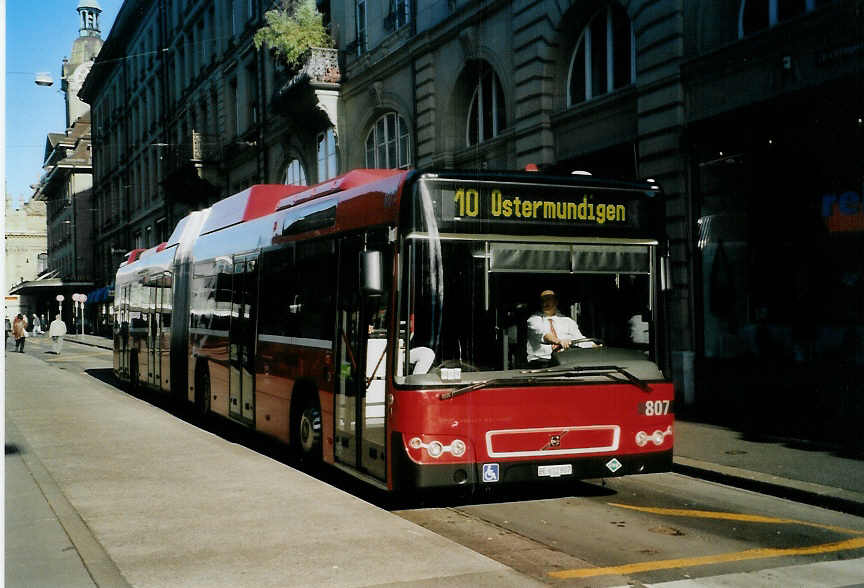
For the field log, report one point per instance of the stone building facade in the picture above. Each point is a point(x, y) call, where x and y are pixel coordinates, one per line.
point(26, 242)
point(66, 188)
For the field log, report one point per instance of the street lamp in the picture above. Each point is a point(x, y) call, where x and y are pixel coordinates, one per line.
point(60, 299)
point(79, 300)
point(43, 78)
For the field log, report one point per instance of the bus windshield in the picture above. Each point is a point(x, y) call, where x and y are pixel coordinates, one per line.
point(474, 303)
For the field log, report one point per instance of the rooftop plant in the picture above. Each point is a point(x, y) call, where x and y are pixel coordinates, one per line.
point(292, 28)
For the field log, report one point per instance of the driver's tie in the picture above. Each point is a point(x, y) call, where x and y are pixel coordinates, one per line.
point(555, 346)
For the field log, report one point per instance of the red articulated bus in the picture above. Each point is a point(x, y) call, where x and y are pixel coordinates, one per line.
point(389, 322)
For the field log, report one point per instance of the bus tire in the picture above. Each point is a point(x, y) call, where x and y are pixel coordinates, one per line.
point(307, 430)
point(202, 389)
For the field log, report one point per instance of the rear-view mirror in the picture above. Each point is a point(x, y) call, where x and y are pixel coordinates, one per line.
point(371, 272)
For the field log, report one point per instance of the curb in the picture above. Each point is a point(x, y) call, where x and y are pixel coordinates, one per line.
point(837, 499)
point(89, 344)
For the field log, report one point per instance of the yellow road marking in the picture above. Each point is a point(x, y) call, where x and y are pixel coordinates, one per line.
point(731, 516)
point(649, 566)
point(760, 553)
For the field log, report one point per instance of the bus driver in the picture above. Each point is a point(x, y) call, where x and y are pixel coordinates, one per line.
point(550, 331)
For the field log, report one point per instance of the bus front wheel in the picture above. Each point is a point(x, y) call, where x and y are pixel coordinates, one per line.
point(307, 429)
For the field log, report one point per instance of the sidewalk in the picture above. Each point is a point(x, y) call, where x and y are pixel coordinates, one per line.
point(91, 340)
point(802, 471)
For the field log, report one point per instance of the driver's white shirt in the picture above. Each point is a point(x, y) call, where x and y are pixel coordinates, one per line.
point(540, 324)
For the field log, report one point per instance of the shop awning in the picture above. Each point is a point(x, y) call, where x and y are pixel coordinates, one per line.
point(100, 295)
point(49, 286)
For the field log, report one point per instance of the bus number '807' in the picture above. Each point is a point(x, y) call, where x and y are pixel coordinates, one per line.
point(654, 407)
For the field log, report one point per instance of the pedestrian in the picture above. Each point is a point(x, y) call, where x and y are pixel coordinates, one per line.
point(37, 325)
point(56, 330)
point(19, 331)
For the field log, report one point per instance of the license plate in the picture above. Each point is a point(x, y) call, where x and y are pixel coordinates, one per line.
point(554, 471)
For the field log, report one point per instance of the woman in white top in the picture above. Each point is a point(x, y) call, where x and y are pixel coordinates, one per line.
point(56, 331)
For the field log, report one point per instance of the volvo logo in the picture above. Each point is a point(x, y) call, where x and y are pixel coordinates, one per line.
point(555, 441)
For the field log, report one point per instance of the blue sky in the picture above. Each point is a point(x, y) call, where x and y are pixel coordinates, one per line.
point(38, 36)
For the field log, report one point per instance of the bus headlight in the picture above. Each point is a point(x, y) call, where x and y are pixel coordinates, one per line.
point(435, 449)
point(658, 437)
point(457, 447)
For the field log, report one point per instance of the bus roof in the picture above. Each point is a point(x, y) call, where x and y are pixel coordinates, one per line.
point(264, 199)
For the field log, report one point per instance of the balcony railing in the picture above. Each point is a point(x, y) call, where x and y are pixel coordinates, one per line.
point(196, 148)
point(322, 66)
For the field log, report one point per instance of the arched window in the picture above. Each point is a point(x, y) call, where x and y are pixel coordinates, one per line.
point(757, 15)
point(294, 174)
point(328, 160)
point(486, 115)
point(604, 59)
point(388, 144)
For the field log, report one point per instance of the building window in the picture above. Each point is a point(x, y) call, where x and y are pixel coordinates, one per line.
point(294, 174)
point(388, 144)
point(235, 18)
point(486, 117)
point(757, 15)
point(161, 233)
point(202, 42)
point(252, 94)
point(361, 26)
point(401, 14)
point(605, 56)
point(328, 164)
point(234, 107)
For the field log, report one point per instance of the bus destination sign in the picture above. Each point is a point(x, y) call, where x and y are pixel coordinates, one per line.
point(471, 203)
point(455, 203)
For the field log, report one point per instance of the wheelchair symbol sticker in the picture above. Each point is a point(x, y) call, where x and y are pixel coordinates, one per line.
point(490, 472)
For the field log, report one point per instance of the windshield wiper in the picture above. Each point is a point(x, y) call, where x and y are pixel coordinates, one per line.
point(544, 373)
point(593, 370)
point(472, 387)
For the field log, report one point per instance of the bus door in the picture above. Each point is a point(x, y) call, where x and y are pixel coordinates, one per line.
point(241, 338)
point(154, 360)
point(361, 342)
point(165, 306)
point(121, 330)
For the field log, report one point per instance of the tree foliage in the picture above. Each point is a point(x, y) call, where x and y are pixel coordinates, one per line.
point(291, 30)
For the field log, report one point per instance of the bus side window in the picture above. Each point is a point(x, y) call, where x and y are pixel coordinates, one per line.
point(277, 293)
point(315, 276)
